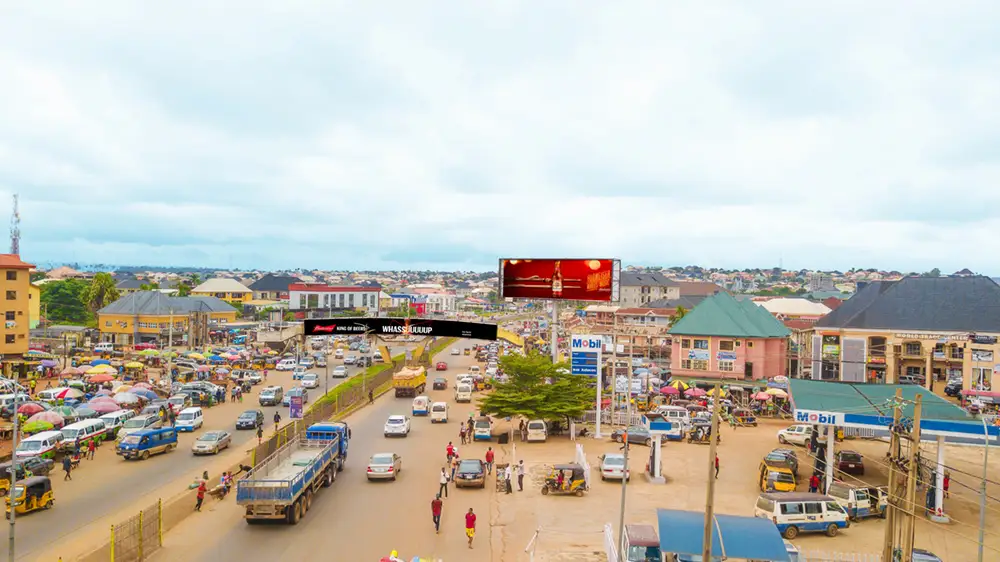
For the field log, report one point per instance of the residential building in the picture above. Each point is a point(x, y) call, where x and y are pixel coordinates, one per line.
point(644, 332)
point(316, 300)
point(795, 308)
point(600, 315)
point(229, 290)
point(129, 285)
point(15, 275)
point(272, 287)
point(637, 289)
point(820, 282)
point(146, 316)
point(727, 338)
point(916, 329)
point(698, 289)
point(34, 306)
point(686, 303)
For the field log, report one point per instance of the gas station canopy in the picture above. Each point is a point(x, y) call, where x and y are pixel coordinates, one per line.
point(733, 536)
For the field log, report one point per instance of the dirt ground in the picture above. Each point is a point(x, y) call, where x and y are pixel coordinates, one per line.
point(570, 529)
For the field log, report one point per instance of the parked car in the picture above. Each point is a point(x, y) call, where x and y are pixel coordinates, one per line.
point(636, 434)
point(256, 377)
point(613, 467)
point(36, 465)
point(470, 473)
point(250, 419)
point(339, 372)
point(211, 442)
point(796, 435)
point(384, 466)
point(440, 383)
point(953, 388)
point(850, 462)
point(397, 425)
point(178, 402)
point(441, 366)
point(786, 455)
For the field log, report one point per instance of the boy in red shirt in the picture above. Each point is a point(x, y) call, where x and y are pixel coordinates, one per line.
point(470, 526)
point(436, 505)
point(813, 483)
point(489, 460)
point(201, 495)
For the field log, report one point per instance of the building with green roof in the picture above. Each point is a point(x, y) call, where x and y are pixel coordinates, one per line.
point(727, 338)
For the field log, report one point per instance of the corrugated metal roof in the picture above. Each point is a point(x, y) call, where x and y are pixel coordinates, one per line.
point(722, 315)
point(157, 303)
point(221, 285)
point(629, 279)
point(753, 538)
point(871, 400)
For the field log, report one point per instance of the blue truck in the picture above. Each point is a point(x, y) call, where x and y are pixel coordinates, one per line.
point(282, 486)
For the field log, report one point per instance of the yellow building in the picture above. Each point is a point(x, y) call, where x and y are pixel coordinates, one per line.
point(229, 290)
point(34, 305)
point(17, 292)
point(917, 330)
point(146, 316)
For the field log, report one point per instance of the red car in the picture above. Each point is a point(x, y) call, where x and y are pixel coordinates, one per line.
point(442, 366)
point(144, 346)
point(850, 462)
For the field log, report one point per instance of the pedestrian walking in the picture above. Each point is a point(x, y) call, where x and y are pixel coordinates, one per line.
point(201, 495)
point(813, 484)
point(489, 460)
point(462, 435)
point(522, 429)
point(454, 466)
point(91, 449)
point(520, 475)
point(277, 420)
point(371, 397)
point(260, 434)
point(443, 488)
point(508, 473)
point(470, 526)
point(717, 467)
point(947, 483)
point(436, 505)
point(450, 451)
point(67, 467)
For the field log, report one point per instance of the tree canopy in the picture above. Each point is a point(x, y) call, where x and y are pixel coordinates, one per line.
point(538, 389)
point(101, 291)
point(65, 302)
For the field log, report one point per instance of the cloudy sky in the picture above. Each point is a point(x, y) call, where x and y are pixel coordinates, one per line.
point(447, 134)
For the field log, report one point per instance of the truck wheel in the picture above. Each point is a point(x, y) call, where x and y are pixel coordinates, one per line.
point(145, 455)
point(791, 532)
point(326, 478)
point(309, 502)
point(293, 514)
point(831, 530)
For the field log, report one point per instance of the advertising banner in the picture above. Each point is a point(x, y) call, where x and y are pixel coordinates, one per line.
point(585, 354)
point(560, 279)
point(726, 356)
point(399, 327)
point(698, 355)
point(295, 407)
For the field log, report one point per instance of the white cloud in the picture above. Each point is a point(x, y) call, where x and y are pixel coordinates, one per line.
point(446, 134)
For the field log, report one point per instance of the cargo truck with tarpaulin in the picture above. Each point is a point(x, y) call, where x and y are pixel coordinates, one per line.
point(409, 381)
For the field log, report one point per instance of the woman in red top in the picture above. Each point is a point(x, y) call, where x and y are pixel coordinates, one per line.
point(470, 526)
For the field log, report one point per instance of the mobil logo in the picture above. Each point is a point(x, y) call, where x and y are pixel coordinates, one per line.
point(814, 417)
point(588, 343)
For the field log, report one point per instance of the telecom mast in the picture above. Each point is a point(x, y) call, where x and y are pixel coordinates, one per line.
point(15, 230)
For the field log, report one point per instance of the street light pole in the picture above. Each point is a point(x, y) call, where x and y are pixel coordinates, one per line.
point(982, 492)
point(713, 439)
point(13, 472)
point(625, 474)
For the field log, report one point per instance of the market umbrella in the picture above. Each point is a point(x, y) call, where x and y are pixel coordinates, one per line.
point(215, 358)
point(96, 362)
point(696, 392)
point(265, 349)
point(101, 370)
point(47, 363)
point(203, 368)
point(71, 372)
point(123, 388)
point(30, 409)
point(722, 392)
point(145, 385)
point(70, 393)
point(777, 392)
point(49, 417)
point(88, 411)
point(127, 398)
point(38, 354)
point(143, 393)
point(762, 396)
point(149, 352)
point(679, 385)
point(134, 365)
point(102, 393)
point(64, 411)
point(272, 352)
point(101, 378)
point(222, 371)
point(669, 390)
point(33, 427)
point(196, 356)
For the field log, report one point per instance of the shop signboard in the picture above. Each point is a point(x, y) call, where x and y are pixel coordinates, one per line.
point(831, 349)
point(876, 360)
point(585, 354)
point(295, 407)
point(726, 356)
point(984, 340)
point(698, 355)
point(560, 279)
point(399, 327)
point(982, 356)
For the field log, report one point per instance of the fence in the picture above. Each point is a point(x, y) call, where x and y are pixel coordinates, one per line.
point(615, 418)
point(859, 432)
point(610, 544)
point(138, 536)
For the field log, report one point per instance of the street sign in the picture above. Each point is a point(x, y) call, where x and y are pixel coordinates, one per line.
point(585, 354)
point(295, 407)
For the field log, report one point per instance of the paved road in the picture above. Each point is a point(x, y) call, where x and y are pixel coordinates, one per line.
point(356, 519)
point(108, 484)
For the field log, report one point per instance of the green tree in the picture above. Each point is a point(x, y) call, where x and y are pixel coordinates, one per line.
point(65, 302)
point(681, 312)
point(538, 389)
point(289, 316)
point(101, 291)
point(195, 279)
point(183, 289)
point(933, 273)
point(36, 276)
point(149, 286)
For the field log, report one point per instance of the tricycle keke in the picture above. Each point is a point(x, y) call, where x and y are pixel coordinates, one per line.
point(31, 495)
point(701, 432)
point(565, 479)
point(743, 417)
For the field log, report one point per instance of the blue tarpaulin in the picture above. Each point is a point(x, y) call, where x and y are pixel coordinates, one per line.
point(681, 532)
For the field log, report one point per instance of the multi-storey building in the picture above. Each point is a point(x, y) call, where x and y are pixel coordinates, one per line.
point(638, 289)
point(315, 300)
point(16, 279)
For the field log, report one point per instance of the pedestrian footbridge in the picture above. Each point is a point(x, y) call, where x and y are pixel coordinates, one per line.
point(509, 336)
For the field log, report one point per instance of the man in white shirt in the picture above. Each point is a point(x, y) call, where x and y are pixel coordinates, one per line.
point(443, 489)
point(507, 474)
point(520, 475)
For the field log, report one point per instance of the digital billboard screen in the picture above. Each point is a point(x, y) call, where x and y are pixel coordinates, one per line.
point(560, 279)
point(399, 327)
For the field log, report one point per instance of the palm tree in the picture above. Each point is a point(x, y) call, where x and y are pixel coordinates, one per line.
point(101, 291)
point(681, 312)
point(195, 279)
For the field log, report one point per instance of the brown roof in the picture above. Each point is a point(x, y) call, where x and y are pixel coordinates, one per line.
point(13, 261)
point(798, 324)
point(644, 311)
point(699, 288)
point(832, 303)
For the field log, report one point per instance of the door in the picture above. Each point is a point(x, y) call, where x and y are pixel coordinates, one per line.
point(862, 503)
point(792, 514)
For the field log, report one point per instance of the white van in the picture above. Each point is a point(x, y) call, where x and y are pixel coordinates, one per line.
point(439, 412)
point(190, 419)
point(8, 398)
point(537, 431)
point(44, 444)
point(482, 430)
point(421, 405)
point(860, 501)
point(115, 420)
point(286, 365)
point(802, 512)
point(463, 393)
point(680, 421)
point(475, 370)
point(51, 394)
point(82, 433)
point(104, 347)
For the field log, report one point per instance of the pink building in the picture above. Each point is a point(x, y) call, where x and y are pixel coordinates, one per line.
point(730, 339)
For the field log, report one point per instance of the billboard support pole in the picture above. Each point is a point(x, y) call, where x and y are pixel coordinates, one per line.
point(555, 332)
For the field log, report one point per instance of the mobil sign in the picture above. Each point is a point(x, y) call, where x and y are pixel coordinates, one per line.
point(586, 343)
point(818, 418)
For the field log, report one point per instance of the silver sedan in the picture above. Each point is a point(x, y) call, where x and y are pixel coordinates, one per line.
point(384, 466)
point(211, 442)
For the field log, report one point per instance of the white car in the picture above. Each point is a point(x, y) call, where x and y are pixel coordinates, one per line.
point(613, 466)
point(455, 351)
point(339, 354)
point(350, 359)
point(256, 377)
point(796, 435)
point(398, 426)
point(339, 372)
point(310, 380)
point(307, 362)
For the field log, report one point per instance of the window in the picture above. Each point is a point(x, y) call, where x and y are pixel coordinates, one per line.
point(701, 344)
point(749, 344)
point(11, 315)
point(12, 295)
point(302, 301)
point(876, 346)
point(957, 352)
point(9, 338)
point(791, 509)
point(912, 349)
point(364, 299)
point(915, 371)
point(220, 295)
point(981, 377)
point(685, 363)
point(727, 366)
point(685, 344)
point(12, 276)
point(107, 323)
point(699, 365)
point(814, 508)
point(726, 345)
point(350, 300)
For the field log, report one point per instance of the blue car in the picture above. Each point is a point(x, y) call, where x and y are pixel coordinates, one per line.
point(146, 442)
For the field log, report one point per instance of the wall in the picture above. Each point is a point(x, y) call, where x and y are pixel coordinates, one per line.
point(151, 324)
point(632, 296)
point(17, 326)
point(295, 300)
point(34, 306)
point(769, 357)
point(235, 298)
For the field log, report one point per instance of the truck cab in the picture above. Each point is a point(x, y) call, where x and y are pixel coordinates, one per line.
point(326, 431)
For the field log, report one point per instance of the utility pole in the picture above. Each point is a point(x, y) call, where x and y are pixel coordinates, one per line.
point(892, 513)
point(12, 495)
point(555, 331)
point(170, 347)
point(45, 315)
point(982, 492)
point(911, 484)
point(625, 474)
point(713, 440)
